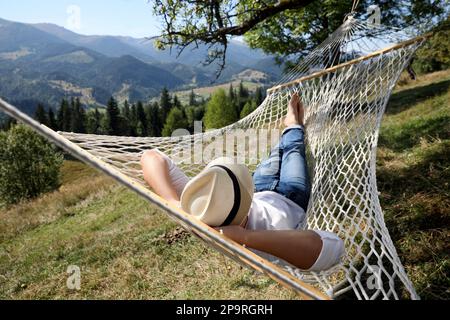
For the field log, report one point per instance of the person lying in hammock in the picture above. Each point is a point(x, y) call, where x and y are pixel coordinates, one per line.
point(264, 214)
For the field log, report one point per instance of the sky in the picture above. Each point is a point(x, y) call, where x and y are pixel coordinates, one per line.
point(91, 17)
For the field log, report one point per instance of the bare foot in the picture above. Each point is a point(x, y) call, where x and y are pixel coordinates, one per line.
point(292, 113)
point(301, 112)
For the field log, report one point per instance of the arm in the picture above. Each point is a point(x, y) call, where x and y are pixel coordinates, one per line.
point(156, 174)
point(301, 248)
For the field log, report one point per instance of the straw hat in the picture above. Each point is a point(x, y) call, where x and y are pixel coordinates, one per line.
point(221, 194)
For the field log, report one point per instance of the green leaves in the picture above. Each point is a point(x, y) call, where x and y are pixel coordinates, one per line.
point(29, 165)
point(175, 120)
point(220, 111)
point(249, 107)
point(287, 29)
point(435, 54)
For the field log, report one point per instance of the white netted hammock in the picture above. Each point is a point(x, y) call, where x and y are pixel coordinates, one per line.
point(345, 84)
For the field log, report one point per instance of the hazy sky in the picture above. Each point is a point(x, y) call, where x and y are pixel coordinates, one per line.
point(100, 17)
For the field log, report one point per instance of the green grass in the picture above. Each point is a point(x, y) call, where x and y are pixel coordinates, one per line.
point(413, 178)
point(128, 249)
point(124, 247)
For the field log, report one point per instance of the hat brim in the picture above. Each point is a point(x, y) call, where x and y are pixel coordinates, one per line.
point(232, 182)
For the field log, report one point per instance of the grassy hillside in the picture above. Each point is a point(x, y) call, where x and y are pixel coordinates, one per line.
point(413, 177)
point(128, 249)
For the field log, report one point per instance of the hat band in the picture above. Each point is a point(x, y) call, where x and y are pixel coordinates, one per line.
point(237, 196)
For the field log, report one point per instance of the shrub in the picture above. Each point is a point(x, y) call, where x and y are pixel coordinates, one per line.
point(435, 54)
point(220, 111)
point(249, 107)
point(29, 165)
point(176, 119)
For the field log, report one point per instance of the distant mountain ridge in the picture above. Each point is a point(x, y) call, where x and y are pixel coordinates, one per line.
point(116, 46)
point(45, 62)
point(35, 65)
point(108, 45)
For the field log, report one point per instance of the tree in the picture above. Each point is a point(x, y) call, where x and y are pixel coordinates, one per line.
point(78, 116)
point(165, 104)
point(249, 107)
point(176, 119)
point(124, 122)
point(220, 111)
point(64, 116)
point(29, 165)
point(279, 27)
point(242, 97)
point(8, 123)
point(259, 96)
point(243, 92)
point(73, 115)
point(211, 22)
point(231, 93)
point(133, 120)
point(41, 115)
point(141, 120)
point(125, 118)
point(126, 110)
point(81, 127)
point(52, 122)
point(112, 117)
point(94, 122)
point(194, 113)
point(435, 53)
point(154, 120)
point(192, 100)
point(176, 103)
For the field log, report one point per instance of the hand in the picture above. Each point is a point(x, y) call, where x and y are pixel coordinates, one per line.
point(236, 233)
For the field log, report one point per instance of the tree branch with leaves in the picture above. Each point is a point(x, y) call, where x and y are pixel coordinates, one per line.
point(287, 29)
point(191, 22)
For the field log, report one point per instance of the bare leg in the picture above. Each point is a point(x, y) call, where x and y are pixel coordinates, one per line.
point(268, 171)
point(156, 174)
point(294, 180)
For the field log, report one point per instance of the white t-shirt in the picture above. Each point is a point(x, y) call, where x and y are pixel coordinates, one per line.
point(273, 211)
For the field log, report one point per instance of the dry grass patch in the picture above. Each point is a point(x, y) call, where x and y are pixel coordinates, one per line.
point(81, 185)
point(119, 242)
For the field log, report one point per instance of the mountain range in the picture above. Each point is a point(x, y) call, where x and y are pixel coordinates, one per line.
point(45, 62)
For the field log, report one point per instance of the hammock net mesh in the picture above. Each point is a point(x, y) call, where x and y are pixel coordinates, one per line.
point(345, 84)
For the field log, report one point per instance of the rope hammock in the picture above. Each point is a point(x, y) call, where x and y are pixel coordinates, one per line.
point(345, 84)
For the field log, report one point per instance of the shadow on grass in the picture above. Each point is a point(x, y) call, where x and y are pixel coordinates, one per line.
point(416, 205)
point(416, 202)
point(246, 282)
point(400, 138)
point(406, 99)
